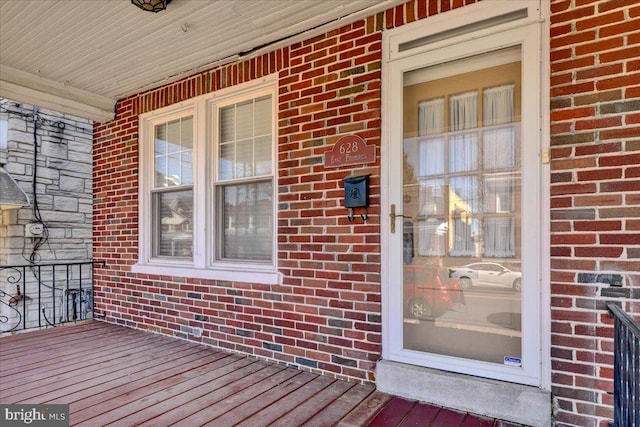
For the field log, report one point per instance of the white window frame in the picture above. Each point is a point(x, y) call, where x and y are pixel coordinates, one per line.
point(528, 33)
point(204, 264)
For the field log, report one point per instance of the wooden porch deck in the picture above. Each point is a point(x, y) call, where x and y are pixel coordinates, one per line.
point(111, 375)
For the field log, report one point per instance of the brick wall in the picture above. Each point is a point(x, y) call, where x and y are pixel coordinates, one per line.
point(595, 196)
point(325, 316)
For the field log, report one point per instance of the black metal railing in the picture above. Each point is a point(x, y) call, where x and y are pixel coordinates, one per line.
point(41, 295)
point(626, 368)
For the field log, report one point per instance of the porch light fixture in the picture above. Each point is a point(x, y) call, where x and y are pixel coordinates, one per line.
point(154, 6)
point(11, 195)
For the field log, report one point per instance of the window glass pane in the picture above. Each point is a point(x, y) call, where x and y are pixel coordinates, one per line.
point(498, 193)
point(498, 148)
point(174, 168)
point(263, 154)
point(227, 160)
point(186, 134)
point(161, 139)
point(162, 176)
point(461, 193)
point(432, 157)
point(432, 197)
point(173, 235)
point(173, 148)
point(227, 124)
point(187, 167)
point(247, 150)
point(244, 120)
point(463, 111)
point(431, 116)
point(497, 105)
point(464, 194)
point(246, 222)
point(499, 237)
point(463, 152)
point(173, 136)
point(263, 116)
point(244, 159)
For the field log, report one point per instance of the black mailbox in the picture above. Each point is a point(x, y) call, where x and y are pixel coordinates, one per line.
point(356, 194)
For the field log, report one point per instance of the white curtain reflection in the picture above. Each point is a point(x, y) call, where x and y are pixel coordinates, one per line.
point(499, 153)
point(497, 105)
point(463, 204)
point(498, 108)
point(432, 232)
point(463, 151)
point(498, 193)
point(432, 157)
point(431, 116)
point(463, 111)
point(467, 185)
point(499, 237)
point(498, 149)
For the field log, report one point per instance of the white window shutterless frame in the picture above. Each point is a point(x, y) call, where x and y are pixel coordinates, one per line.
point(473, 34)
point(206, 230)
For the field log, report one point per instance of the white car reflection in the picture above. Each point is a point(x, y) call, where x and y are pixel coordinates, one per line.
point(487, 274)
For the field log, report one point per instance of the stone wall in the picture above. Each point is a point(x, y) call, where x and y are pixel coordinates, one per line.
point(62, 202)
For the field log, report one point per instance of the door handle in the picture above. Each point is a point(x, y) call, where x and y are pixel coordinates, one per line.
point(393, 217)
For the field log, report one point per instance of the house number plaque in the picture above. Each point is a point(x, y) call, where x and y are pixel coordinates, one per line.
point(349, 150)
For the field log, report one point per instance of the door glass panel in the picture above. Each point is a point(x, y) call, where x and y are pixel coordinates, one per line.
point(461, 194)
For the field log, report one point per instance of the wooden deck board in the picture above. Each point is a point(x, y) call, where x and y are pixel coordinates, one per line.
point(312, 406)
point(334, 411)
point(79, 368)
point(210, 395)
point(112, 375)
point(251, 386)
point(161, 383)
point(168, 390)
point(366, 410)
point(78, 391)
point(41, 352)
point(264, 400)
point(111, 392)
point(275, 411)
point(24, 339)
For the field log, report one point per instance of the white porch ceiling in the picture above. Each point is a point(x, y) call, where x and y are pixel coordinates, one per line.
point(80, 56)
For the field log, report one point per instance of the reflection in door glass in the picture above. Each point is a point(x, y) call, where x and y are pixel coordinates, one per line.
point(461, 190)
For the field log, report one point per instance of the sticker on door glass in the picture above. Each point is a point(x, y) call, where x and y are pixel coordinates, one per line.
point(512, 361)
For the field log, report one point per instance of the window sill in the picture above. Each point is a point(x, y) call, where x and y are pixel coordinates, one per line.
point(265, 275)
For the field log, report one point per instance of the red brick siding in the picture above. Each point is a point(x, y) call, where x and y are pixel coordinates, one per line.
point(595, 188)
point(326, 314)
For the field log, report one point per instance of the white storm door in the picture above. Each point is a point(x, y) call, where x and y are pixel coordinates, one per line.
point(463, 188)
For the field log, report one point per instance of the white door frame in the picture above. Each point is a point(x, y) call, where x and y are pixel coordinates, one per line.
point(526, 32)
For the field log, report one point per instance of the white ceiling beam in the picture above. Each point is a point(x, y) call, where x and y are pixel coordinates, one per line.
point(31, 89)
